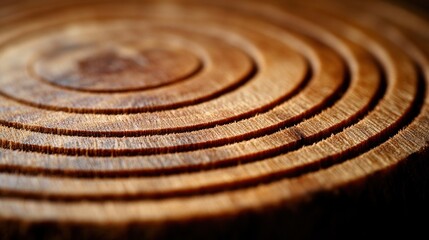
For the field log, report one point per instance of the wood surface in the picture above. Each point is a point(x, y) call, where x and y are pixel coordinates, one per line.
point(211, 119)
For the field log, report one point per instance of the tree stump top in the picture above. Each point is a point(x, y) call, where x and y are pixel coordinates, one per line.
point(157, 115)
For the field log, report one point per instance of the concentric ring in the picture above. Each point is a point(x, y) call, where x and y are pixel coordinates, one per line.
point(241, 107)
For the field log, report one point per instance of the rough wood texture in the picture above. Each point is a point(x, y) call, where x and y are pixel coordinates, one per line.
point(235, 119)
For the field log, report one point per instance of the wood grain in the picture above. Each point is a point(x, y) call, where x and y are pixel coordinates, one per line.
point(214, 119)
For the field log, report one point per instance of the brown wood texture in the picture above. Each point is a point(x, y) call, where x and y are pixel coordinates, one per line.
point(214, 119)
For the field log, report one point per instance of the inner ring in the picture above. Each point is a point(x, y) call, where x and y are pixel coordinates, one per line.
point(114, 67)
